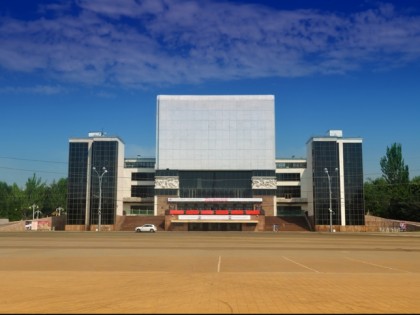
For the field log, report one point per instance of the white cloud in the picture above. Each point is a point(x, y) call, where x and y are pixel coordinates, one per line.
point(164, 42)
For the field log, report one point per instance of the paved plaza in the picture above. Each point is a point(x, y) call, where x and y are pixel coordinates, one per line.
point(209, 272)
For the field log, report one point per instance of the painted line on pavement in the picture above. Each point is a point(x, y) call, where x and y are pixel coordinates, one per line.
point(299, 264)
point(375, 265)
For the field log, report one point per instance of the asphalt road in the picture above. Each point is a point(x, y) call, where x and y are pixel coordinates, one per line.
point(58, 272)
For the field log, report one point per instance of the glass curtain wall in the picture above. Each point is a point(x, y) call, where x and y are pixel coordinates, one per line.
point(353, 183)
point(77, 183)
point(215, 184)
point(104, 154)
point(325, 155)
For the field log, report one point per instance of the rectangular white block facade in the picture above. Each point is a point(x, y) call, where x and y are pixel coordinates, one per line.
point(215, 132)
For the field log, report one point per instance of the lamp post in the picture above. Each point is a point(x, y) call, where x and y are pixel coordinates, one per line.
point(104, 171)
point(34, 206)
point(38, 212)
point(329, 187)
point(59, 210)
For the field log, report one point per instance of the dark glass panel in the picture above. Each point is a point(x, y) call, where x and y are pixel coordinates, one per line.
point(215, 184)
point(353, 183)
point(325, 156)
point(104, 154)
point(139, 164)
point(142, 191)
point(264, 173)
point(143, 176)
point(288, 191)
point(166, 172)
point(288, 177)
point(77, 183)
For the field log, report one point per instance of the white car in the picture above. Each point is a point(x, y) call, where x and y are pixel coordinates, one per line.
point(146, 228)
point(28, 225)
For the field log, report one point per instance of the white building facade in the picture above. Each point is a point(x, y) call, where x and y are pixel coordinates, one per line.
point(215, 153)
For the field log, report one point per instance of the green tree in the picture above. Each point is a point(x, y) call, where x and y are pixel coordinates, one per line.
point(34, 194)
point(396, 174)
point(412, 209)
point(55, 196)
point(394, 170)
point(377, 197)
point(16, 203)
point(4, 199)
point(18, 208)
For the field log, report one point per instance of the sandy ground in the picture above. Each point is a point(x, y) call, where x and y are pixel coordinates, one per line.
point(209, 272)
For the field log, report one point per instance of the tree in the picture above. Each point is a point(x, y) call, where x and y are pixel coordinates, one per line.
point(412, 210)
point(396, 174)
point(55, 196)
point(18, 207)
point(394, 171)
point(4, 199)
point(35, 193)
point(16, 203)
point(377, 197)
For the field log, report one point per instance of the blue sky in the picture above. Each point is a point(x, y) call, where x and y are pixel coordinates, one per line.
point(71, 67)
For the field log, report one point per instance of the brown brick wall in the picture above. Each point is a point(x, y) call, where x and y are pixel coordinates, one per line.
point(268, 204)
point(162, 204)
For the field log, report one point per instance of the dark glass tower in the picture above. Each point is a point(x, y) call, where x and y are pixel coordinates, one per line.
point(85, 186)
point(336, 162)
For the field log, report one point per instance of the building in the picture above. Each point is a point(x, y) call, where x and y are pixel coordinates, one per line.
point(94, 199)
point(215, 170)
point(335, 180)
point(292, 195)
point(138, 186)
point(215, 161)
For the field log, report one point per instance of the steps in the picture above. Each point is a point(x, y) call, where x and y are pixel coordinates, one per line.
point(129, 223)
point(287, 223)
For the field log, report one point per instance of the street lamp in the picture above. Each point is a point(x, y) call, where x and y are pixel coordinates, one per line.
point(104, 171)
point(38, 212)
point(34, 206)
point(329, 187)
point(59, 210)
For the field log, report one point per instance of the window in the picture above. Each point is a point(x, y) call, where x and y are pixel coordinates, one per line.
point(143, 176)
point(142, 191)
point(288, 177)
point(289, 211)
point(141, 210)
point(288, 192)
point(210, 184)
point(291, 165)
point(139, 164)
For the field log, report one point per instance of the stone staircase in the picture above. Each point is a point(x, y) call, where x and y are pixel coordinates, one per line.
point(287, 223)
point(129, 223)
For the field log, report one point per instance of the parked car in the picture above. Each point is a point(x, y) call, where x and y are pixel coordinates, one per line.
point(28, 225)
point(146, 228)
